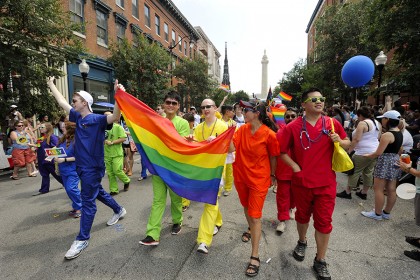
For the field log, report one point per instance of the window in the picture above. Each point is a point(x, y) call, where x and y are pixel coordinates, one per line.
point(76, 11)
point(120, 3)
point(120, 32)
point(136, 30)
point(135, 8)
point(101, 27)
point(180, 43)
point(157, 24)
point(146, 16)
point(173, 38)
point(102, 14)
point(185, 47)
point(120, 26)
point(166, 29)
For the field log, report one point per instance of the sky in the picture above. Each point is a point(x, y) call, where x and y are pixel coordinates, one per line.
point(249, 28)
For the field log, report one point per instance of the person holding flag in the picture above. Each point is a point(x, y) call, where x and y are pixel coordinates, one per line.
point(160, 189)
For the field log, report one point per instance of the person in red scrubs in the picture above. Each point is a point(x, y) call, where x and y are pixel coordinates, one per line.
point(310, 142)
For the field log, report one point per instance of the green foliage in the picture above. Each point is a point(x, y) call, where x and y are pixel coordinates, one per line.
point(237, 96)
point(36, 38)
point(142, 69)
point(194, 83)
point(395, 25)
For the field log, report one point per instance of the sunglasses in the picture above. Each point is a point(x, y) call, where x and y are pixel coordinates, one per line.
point(20, 125)
point(314, 99)
point(290, 116)
point(246, 110)
point(173, 103)
point(206, 107)
point(41, 127)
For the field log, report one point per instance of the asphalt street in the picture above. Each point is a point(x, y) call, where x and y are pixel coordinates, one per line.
point(36, 232)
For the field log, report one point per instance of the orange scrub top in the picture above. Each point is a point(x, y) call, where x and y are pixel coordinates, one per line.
point(252, 162)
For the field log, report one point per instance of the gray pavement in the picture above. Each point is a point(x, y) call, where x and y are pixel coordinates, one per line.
point(36, 232)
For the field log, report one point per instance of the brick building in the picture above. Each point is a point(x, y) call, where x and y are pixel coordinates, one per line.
point(108, 21)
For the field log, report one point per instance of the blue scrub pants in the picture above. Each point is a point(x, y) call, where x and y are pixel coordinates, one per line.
point(45, 170)
point(143, 168)
point(71, 184)
point(92, 190)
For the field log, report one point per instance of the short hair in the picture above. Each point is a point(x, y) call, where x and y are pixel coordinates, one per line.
point(173, 95)
point(307, 92)
point(226, 108)
point(189, 117)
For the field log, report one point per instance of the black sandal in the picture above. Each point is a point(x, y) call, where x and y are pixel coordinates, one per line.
point(255, 268)
point(246, 236)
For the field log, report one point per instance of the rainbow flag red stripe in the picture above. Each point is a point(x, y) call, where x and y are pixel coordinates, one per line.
point(192, 170)
point(284, 96)
point(278, 114)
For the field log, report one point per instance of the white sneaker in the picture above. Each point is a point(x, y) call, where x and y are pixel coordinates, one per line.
point(281, 227)
point(216, 229)
point(292, 213)
point(114, 219)
point(226, 193)
point(76, 249)
point(202, 248)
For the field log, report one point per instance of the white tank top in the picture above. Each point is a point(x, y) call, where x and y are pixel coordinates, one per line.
point(369, 141)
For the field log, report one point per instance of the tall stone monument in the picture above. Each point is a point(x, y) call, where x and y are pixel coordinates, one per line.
point(264, 78)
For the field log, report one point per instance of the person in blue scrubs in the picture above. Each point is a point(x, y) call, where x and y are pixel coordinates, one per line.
point(89, 156)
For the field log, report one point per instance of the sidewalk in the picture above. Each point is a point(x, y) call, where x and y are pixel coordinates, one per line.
point(36, 233)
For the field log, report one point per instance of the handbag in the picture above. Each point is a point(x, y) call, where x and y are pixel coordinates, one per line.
point(341, 161)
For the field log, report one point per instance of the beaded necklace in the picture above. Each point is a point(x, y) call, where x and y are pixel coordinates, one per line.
point(202, 131)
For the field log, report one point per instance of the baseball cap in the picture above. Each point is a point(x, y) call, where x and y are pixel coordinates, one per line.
point(394, 115)
point(13, 106)
point(192, 107)
point(87, 97)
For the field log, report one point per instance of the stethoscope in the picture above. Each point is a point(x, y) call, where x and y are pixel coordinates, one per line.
point(304, 131)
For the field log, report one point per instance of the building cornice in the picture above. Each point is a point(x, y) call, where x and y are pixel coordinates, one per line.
point(311, 21)
point(176, 13)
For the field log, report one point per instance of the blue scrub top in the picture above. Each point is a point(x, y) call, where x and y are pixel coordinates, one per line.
point(89, 139)
point(68, 166)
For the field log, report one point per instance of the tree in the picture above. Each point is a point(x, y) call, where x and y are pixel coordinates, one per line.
point(395, 25)
point(237, 96)
point(36, 39)
point(142, 69)
point(194, 82)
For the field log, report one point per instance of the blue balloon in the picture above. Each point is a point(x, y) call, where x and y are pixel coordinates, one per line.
point(358, 71)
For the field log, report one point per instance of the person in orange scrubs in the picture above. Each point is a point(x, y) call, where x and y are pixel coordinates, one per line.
point(253, 171)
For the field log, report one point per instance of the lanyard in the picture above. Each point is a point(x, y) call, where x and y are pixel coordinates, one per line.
point(304, 132)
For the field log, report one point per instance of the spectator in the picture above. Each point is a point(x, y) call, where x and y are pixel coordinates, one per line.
point(385, 174)
point(21, 153)
point(415, 241)
point(365, 140)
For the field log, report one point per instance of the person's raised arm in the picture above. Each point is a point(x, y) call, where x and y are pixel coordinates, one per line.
point(62, 102)
point(219, 109)
point(116, 114)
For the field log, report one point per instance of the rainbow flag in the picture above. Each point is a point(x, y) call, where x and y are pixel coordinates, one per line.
point(278, 114)
point(284, 96)
point(224, 88)
point(192, 170)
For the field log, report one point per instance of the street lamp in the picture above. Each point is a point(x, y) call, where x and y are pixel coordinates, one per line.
point(380, 62)
point(84, 71)
point(171, 48)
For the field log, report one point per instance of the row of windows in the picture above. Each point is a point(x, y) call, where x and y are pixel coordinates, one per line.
point(102, 11)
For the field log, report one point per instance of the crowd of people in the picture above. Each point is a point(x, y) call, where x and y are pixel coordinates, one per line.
point(294, 158)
